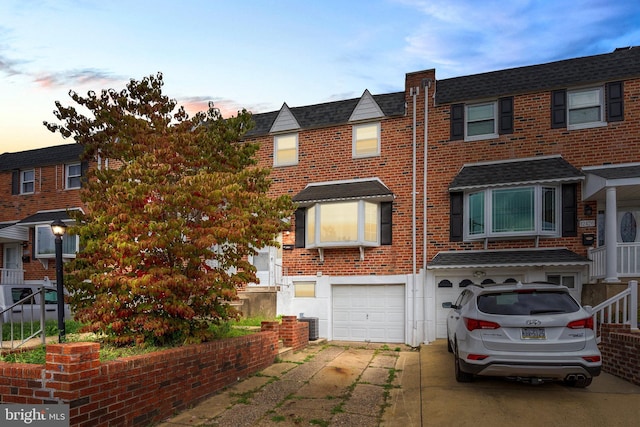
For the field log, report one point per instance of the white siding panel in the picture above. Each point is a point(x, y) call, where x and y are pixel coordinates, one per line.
point(366, 109)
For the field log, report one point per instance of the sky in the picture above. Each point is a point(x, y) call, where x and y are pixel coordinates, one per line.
point(260, 54)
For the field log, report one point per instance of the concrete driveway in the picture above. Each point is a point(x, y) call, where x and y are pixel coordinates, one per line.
point(373, 385)
point(609, 401)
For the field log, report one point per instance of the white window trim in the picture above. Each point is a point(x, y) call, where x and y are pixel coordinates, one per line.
point(355, 141)
point(589, 125)
point(23, 182)
point(275, 150)
point(67, 176)
point(495, 122)
point(360, 242)
point(537, 231)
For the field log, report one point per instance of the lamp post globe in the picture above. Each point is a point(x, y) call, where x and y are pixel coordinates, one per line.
point(58, 228)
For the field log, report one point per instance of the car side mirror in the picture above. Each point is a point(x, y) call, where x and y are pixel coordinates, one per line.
point(448, 304)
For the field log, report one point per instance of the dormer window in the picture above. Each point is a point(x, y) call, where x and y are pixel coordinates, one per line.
point(366, 140)
point(285, 150)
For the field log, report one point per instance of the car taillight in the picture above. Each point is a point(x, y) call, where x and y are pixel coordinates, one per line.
point(477, 357)
point(591, 358)
point(473, 324)
point(581, 324)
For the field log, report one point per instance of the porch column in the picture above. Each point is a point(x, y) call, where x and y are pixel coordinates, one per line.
point(611, 236)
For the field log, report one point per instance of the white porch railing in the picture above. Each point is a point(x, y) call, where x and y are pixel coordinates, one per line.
point(11, 276)
point(628, 261)
point(621, 308)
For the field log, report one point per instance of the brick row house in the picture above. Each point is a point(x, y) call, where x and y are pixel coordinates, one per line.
point(38, 187)
point(528, 173)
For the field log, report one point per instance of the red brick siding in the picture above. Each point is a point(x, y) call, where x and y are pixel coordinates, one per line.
point(620, 352)
point(293, 334)
point(139, 390)
point(618, 142)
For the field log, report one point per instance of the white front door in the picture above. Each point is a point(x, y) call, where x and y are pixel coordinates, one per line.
point(12, 262)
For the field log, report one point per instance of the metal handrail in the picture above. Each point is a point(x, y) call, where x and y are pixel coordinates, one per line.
point(17, 342)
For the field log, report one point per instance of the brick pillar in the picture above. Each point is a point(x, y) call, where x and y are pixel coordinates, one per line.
point(70, 367)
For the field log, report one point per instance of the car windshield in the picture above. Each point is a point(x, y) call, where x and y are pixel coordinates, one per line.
point(527, 302)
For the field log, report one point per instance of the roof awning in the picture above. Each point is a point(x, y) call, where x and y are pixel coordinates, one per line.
point(534, 170)
point(369, 189)
point(624, 177)
point(47, 216)
point(507, 258)
point(13, 233)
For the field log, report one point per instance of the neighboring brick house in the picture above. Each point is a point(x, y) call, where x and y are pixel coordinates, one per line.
point(37, 187)
point(534, 174)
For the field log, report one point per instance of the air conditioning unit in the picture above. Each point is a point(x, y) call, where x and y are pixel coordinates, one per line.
point(313, 327)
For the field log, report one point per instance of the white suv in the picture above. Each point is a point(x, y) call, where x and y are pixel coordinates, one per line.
point(531, 332)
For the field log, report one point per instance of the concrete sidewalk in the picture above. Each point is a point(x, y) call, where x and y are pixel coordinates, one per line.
point(331, 384)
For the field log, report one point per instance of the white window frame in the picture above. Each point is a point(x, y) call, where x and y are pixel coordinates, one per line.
point(49, 252)
point(538, 214)
point(358, 153)
point(564, 279)
point(313, 226)
point(69, 177)
point(24, 182)
point(599, 94)
point(276, 149)
point(304, 283)
point(493, 134)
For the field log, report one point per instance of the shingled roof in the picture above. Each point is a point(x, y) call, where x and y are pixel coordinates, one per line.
point(520, 171)
point(328, 114)
point(620, 64)
point(507, 258)
point(41, 157)
point(344, 190)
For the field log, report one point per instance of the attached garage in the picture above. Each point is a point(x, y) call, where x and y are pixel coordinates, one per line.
point(372, 313)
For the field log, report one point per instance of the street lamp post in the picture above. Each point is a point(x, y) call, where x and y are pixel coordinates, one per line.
point(59, 228)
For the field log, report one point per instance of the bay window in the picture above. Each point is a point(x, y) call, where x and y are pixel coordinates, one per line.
point(517, 211)
point(337, 224)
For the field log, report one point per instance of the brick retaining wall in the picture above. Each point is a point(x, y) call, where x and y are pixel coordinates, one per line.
point(620, 352)
point(144, 389)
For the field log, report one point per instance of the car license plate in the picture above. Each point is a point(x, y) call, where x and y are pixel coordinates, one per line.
point(533, 334)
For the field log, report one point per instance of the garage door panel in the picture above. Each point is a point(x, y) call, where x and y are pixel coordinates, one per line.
point(369, 313)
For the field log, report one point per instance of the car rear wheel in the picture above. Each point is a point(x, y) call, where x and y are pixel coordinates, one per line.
point(461, 376)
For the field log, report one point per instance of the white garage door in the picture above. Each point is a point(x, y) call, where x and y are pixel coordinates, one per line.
point(372, 313)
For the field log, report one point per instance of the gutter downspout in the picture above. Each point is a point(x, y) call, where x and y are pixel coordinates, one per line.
point(426, 84)
point(414, 93)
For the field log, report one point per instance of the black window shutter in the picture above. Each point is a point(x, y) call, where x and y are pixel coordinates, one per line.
point(615, 102)
point(569, 210)
point(300, 227)
point(84, 167)
point(456, 220)
point(386, 209)
point(457, 122)
point(15, 182)
point(559, 109)
point(505, 107)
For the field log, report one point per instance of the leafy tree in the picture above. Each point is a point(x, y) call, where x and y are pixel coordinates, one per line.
point(170, 222)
